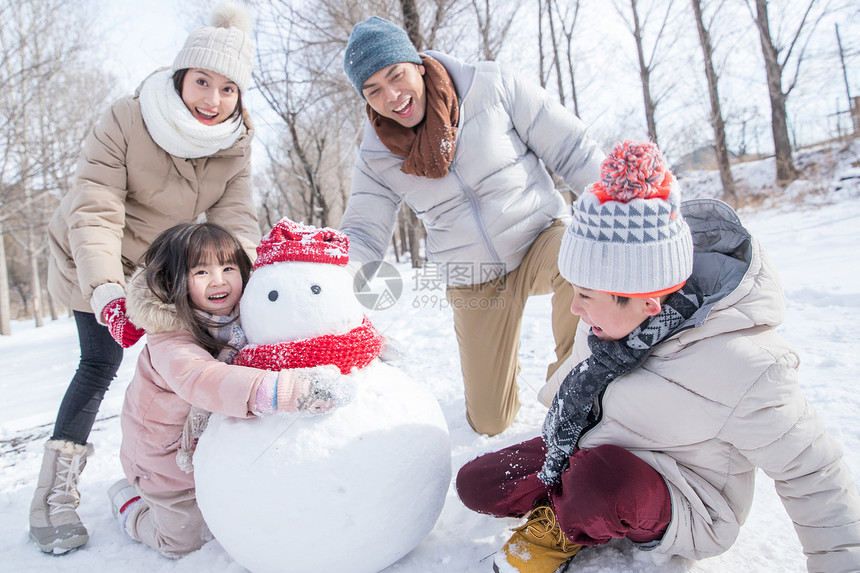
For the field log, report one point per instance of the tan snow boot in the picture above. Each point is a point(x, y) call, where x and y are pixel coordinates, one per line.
point(54, 523)
point(539, 546)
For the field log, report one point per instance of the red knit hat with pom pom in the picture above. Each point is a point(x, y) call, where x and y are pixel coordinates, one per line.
point(291, 241)
point(627, 236)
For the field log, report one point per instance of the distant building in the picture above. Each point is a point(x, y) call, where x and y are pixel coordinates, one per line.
point(703, 158)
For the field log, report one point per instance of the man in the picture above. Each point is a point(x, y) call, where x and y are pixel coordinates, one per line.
point(465, 146)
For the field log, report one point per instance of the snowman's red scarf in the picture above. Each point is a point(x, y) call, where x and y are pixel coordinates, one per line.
point(355, 349)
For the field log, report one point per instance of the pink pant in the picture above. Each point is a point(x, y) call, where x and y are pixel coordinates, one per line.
point(606, 492)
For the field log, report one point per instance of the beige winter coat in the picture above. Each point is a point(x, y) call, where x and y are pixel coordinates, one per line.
point(713, 403)
point(173, 373)
point(128, 190)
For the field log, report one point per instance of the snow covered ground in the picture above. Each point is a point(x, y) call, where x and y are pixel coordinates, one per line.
point(813, 237)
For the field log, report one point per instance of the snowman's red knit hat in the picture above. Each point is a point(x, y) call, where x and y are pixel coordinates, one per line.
point(289, 241)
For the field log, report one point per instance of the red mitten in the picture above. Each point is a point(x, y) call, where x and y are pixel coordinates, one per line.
point(121, 328)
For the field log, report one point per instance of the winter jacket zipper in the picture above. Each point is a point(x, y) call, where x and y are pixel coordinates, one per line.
point(479, 221)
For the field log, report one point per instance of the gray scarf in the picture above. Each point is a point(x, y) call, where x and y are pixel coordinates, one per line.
point(224, 329)
point(609, 360)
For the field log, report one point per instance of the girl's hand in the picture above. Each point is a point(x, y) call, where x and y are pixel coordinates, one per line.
point(316, 390)
point(313, 390)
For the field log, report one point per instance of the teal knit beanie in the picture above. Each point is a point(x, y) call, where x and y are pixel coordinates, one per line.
point(373, 45)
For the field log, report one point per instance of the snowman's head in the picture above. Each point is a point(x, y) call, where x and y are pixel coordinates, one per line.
point(295, 300)
point(300, 288)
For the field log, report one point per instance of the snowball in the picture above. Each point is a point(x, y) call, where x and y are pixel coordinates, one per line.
point(351, 490)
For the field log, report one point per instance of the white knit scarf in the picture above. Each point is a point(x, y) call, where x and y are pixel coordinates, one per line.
point(172, 126)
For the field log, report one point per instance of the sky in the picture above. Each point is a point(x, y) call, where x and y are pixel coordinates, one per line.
point(810, 233)
point(141, 40)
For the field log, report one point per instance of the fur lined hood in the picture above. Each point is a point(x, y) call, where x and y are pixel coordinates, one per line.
point(146, 311)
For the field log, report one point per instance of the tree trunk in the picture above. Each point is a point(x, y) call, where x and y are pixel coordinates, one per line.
point(572, 83)
point(5, 307)
point(412, 25)
point(729, 192)
point(394, 247)
point(403, 224)
point(785, 170)
point(52, 307)
point(414, 233)
point(35, 281)
point(541, 65)
point(644, 76)
point(556, 57)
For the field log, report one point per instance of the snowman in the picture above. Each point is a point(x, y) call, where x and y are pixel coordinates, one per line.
point(352, 490)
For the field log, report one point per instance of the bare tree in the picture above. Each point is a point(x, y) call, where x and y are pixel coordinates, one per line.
point(492, 35)
point(433, 17)
point(42, 50)
point(720, 147)
point(637, 23)
point(556, 57)
point(5, 307)
point(541, 63)
point(778, 53)
point(298, 73)
point(318, 125)
point(568, 14)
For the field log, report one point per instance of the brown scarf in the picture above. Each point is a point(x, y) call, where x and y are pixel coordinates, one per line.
point(427, 148)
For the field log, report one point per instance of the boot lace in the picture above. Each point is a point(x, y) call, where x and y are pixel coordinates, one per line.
point(543, 524)
point(64, 495)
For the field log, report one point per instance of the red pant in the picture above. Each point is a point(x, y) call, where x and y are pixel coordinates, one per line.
point(606, 492)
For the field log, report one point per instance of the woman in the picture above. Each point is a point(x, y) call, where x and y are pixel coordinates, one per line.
point(176, 149)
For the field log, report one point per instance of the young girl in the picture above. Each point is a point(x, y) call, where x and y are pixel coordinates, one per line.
point(186, 297)
point(180, 146)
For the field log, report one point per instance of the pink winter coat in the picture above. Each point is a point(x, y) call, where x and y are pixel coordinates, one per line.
point(173, 373)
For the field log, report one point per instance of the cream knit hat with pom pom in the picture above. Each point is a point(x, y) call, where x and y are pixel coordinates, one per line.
point(224, 47)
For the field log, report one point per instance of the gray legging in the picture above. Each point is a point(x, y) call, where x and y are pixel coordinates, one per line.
point(100, 359)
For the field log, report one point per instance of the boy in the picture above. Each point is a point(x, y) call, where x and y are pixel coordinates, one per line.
point(681, 389)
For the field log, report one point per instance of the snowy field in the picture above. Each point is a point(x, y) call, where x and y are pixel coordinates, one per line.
point(815, 243)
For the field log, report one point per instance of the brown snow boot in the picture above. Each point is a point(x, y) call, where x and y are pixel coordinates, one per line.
point(54, 523)
point(539, 546)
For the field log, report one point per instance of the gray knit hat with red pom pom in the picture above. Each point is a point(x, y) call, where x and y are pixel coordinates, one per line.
point(628, 236)
point(225, 47)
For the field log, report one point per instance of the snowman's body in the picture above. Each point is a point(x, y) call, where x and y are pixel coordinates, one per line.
point(352, 490)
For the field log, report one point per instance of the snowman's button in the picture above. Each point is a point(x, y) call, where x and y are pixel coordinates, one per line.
point(273, 295)
point(316, 289)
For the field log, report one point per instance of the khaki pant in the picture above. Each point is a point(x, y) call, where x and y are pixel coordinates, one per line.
point(169, 522)
point(487, 319)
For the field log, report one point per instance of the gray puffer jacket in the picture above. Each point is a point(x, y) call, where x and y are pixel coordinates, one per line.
point(483, 216)
point(721, 398)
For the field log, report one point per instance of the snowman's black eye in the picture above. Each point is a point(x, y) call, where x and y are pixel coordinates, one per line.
point(316, 289)
point(273, 295)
